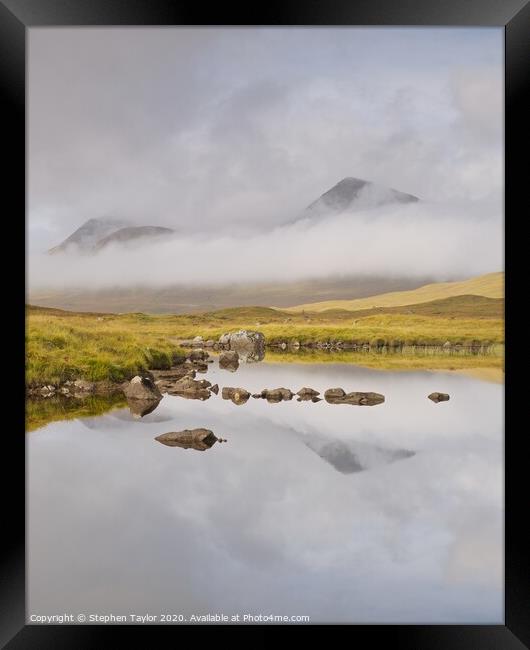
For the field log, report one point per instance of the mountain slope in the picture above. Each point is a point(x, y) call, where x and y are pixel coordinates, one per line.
point(490, 285)
point(132, 233)
point(87, 235)
point(352, 194)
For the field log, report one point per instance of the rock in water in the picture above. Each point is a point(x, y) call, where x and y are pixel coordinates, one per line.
point(191, 388)
point(237, 395)
point(198, 439)
point(334, 393)
point(338, 396)
point(247, 342)
point(229, 360)
point(305, 394)
point(198, 355)
point(275, 395)
point(143, 388)
point(82, 386)
point(438, 397)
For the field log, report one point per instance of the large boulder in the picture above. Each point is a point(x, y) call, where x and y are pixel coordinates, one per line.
point(243, 340)
point(339, 396)
point(438, 397)
point(229, 360)
point(237, 395)
point(143, 388)
point(198, 439)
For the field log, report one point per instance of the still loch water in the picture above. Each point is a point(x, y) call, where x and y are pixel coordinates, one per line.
point(384, 514)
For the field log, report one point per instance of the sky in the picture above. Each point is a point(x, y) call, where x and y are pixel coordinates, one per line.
point(226, 133)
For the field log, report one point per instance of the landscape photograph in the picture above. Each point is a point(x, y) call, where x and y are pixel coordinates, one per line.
point(265, 325)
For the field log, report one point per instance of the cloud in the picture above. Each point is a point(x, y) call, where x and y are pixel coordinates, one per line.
point(412, 239)
point(215, 130)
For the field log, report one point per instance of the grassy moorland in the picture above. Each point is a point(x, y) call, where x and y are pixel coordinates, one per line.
point(64, 345)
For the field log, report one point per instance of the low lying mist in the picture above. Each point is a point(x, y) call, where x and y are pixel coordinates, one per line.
point(413, 240)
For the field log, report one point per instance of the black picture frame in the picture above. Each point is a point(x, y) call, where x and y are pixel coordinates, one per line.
point(16, 16)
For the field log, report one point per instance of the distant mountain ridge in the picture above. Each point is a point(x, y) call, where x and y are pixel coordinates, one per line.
point(96, 234)
point(348, 195)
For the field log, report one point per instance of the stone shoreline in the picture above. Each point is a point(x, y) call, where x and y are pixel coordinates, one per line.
point(233, 347)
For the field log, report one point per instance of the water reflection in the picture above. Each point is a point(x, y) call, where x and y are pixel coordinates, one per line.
point(311, 509)
point(349, 457)
point(40, 412)
point(142, 407)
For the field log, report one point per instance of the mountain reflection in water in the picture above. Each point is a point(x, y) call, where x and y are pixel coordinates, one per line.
point(349, 457)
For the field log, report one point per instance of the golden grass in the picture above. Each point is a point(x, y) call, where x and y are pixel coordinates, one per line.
point(490, 285)
point(64, 345)
point(70, 346)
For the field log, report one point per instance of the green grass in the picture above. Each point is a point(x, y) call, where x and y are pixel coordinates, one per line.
point(61, 346)
point(64, 345)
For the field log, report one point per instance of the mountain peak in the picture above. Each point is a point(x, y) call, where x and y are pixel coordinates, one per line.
point(351, 194)
point(89, 233)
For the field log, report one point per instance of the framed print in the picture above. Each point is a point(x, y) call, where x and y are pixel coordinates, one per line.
point(264, 320)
